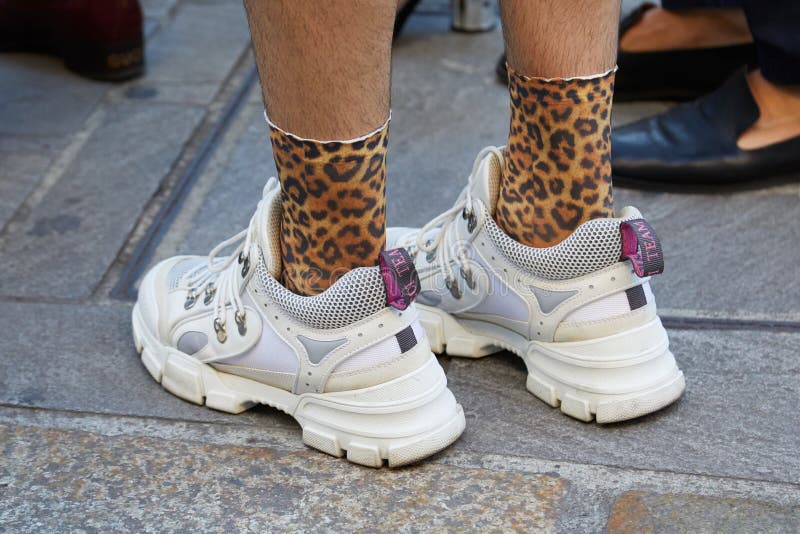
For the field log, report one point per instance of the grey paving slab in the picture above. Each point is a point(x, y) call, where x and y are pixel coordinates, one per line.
point(71, 237)
point(726, 255)
point(66, 480)
point(737, 418)
point(81, 358)
point(190, 56)
point(640, 511)
point(39, 96)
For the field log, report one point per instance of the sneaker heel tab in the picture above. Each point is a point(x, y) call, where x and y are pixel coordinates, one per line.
point(641, 245)
point(399, 277)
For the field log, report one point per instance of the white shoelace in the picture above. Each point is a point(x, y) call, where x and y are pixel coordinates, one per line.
point(221, 279)
point(431, 245)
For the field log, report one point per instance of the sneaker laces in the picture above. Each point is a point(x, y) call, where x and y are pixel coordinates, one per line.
point(221, 279)
point(427, 239)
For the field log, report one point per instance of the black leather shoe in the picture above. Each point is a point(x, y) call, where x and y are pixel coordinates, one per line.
point(675, 74)
point(669, 74)
point(406, 8)
point(693, 146)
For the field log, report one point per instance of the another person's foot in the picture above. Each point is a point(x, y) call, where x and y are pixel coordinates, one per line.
point(99, 39)
point(404, 10)
point(745, 133)
point(356, 372)
point(675, 55)
point(680, 55)
point(581, 314)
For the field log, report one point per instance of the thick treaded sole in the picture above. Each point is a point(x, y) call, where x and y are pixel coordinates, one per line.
point(609, 379)
point(398, 422)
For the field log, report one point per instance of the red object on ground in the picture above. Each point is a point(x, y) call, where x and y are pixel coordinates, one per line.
point(100, 39)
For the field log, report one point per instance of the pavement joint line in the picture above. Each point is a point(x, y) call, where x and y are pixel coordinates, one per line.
point(701, 313)
point(599, 477)
point(87, 413)
point(709, 323)
point(42, 300)
point(159, 213)
point(671, 322)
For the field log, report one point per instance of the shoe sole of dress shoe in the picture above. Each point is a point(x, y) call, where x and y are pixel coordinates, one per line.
point(117, 62)
point(703, 185)
point(397, 423)
point(610, 379)
point(658, 95)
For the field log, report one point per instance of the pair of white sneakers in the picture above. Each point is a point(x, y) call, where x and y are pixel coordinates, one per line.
point(354, 365)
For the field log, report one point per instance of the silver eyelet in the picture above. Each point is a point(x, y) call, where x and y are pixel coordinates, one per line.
point(241, 317)
point(210, 290)
point(245, 266)
point(191, 299)
point(452, 285)
point(467, 276)
point(241, 257)
point(219, 328)
point(472, 220)
point(472, 223)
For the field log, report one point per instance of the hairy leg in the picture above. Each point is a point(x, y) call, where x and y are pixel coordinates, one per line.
point(557, 175)
point(325, 75)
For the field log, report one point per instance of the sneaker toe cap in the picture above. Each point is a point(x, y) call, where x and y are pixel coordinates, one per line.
point(153, 299)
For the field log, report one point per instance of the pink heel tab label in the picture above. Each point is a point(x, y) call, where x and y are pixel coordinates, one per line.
point(400, 278)
point(641, 245)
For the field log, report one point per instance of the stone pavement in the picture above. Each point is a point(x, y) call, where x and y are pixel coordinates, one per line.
point(98, 181)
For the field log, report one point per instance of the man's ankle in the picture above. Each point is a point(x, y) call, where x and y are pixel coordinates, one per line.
point(779, 108)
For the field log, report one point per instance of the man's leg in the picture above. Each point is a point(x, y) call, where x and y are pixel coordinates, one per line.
point(325, 75)
point(490, 278)
point(226, 333)
point(557, 175)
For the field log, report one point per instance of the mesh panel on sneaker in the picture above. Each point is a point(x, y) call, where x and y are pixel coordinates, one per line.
point(356, 295)
point(594, 245)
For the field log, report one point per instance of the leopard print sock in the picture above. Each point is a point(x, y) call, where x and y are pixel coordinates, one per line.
point(557, 173)
point(334, 206)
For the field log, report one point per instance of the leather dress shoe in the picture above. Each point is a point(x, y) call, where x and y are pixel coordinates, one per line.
point(100, 39)
point(693, 146)
point(406, 8)
point(668, 74)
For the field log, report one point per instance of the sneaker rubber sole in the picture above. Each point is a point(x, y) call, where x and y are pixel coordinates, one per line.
point(398, 422)
point(609, 379)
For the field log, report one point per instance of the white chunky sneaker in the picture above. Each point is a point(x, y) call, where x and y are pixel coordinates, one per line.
point(351, 365)
point(581, 314)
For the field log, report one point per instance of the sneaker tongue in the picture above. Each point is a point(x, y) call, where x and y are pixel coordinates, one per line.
point(269, 235)
point(486, 184)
